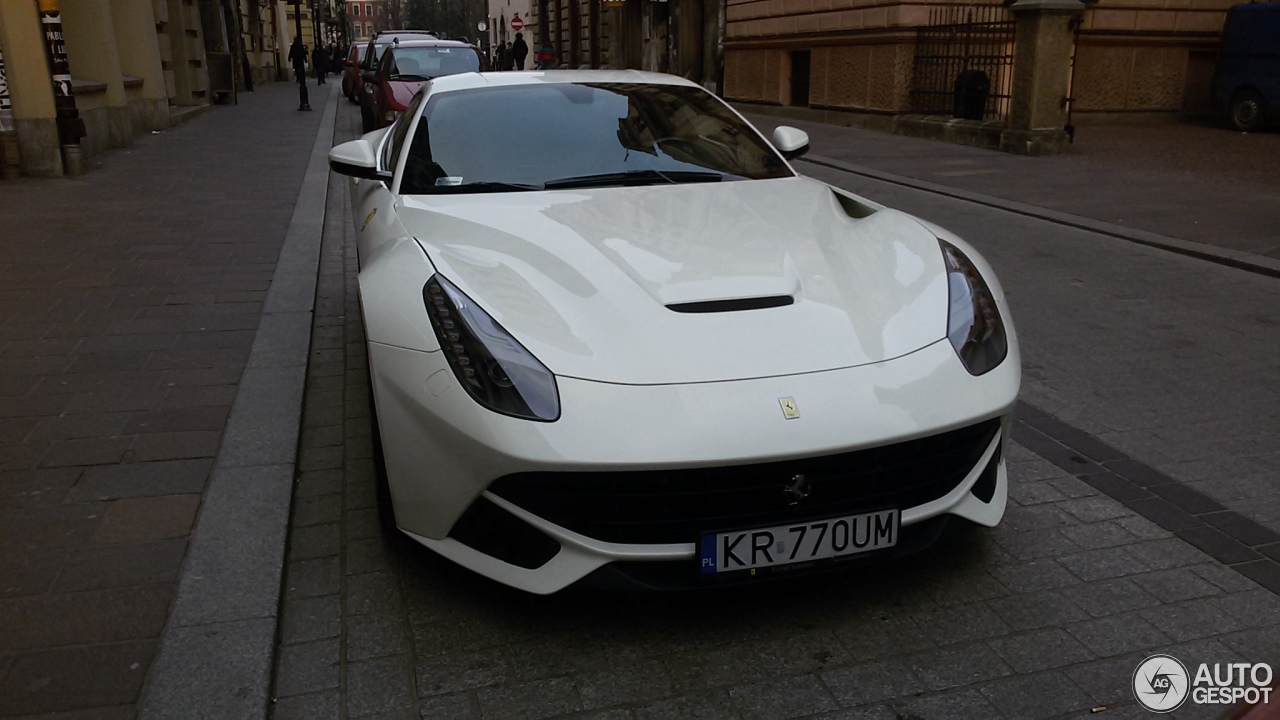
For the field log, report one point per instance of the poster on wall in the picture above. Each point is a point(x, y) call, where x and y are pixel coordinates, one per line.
point(6, 105)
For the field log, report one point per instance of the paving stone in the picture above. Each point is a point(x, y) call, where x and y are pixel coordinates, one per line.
point(378, 686)
point(1105, 598)
point(146, 479)
point(311, 618)
point(642, 682)
point(958, 624)
point(1167, 553)
point(700, 706)
point(324, 705)
point(954, 705)
point(1036, 544)
point(789, 697)
point(1094, 509)
point(1040, 650)
point(35, 488)
point(442, 675)
point(83, 618)
point(1037, 610)
point(308, 667)
point(452, 707)
point(801, 652)
point(369, 555)
point(1035, 493)
point(1176, 585)
point(1037, 696)
point(1035, 576)
point(1098, 535)
point(375, 636)
point(1258, 644)
point(1103, 564)
point(377, 592)
point(550, 658)
point(123, 565)
point(143, 519)
point(1191, 620)
point(237, 653)
point(871, 683)
point(718, 667)
point(1218, 545)
point(315, 541)
point(75, 678)
point(310, 578)
point(1073, 487)
point(1117, 635)
point(953, 667)
point(1254, 607)
point(316, 510)
point(319, 482)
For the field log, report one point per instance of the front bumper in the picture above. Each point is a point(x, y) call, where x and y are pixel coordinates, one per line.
point(443, 451)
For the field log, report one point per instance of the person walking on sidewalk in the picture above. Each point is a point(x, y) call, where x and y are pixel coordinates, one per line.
point(298, 58)
point(500, 59)
point(519, 51)
point(318, 60)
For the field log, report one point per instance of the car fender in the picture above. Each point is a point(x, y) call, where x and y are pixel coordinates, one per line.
point(390, 284)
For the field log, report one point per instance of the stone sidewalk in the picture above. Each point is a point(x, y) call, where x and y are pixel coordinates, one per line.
point(1194, 181)
point(130, 298)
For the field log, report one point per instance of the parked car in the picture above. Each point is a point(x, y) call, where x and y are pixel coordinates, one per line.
point(613, 336)
point(351, 72)
point(1246, 85)
point(403, 68)
point(370, 52)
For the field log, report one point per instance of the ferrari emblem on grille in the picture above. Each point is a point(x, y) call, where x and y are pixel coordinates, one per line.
point(790, 410)
point(797, 489)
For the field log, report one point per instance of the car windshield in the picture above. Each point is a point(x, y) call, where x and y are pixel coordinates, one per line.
point(563, 135)
point(423, 63)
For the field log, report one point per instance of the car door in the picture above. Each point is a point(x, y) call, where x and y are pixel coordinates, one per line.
point(376, 221)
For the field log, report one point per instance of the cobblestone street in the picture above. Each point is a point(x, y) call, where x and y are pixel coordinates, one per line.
point(1119, 541)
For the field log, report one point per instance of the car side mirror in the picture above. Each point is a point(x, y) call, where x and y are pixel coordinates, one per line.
point(370, 76)
point(349, 63)
point(357, 159)
point(791, 142)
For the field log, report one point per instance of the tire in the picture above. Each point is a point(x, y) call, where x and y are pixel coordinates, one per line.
point(366, 119)
point(1246, 111)
point(346, 86)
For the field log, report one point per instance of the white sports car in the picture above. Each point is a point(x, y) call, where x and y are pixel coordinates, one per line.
point(612, 333)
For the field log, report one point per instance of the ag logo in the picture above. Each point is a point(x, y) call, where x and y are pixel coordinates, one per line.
point(1161, 683)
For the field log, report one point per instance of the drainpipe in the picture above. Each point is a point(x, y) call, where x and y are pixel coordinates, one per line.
point(70, 126)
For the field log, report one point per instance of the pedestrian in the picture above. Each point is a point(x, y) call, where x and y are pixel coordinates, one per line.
point(519, 51)
point(335, 58)
point(546, 57)
point(511, 58)
point(502, 58)
point(298, 58)
point(317, 59)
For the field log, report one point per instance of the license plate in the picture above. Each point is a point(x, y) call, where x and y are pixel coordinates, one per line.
point(797, 542)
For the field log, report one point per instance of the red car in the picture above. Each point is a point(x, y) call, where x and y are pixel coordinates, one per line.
point(363, 57)
point(404, 66)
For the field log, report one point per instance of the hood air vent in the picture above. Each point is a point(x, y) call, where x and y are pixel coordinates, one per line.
point(719, 306)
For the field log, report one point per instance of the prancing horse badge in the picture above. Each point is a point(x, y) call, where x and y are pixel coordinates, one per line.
point(790, 410)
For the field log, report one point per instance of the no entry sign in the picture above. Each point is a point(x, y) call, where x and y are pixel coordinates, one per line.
point(516, 23)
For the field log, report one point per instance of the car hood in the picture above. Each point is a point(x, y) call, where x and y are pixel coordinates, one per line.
point(585, 278)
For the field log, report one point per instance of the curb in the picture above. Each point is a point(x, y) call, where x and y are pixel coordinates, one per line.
point(1249, 262)
point(218, 644)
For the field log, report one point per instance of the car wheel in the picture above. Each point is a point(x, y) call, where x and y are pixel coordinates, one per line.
point(366, 119)
point(1246, 111)
point(346, 87)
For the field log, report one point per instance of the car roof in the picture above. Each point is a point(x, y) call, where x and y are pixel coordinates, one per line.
point(430, 43)
point(467, 81)
point(409, 33)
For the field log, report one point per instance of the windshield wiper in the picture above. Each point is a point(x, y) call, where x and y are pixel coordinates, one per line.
point(634, 177)
point(483, 187)
point(408, 76)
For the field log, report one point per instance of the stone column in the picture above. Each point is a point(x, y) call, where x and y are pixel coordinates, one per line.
point(30, 90)
point(1041, 71)
point(136, 41)
point(91, 48)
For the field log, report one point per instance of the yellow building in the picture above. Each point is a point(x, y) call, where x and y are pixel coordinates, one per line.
point(132, 66)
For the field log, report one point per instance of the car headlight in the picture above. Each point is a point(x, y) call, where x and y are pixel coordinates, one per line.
point(494, 368)
point(973, 320)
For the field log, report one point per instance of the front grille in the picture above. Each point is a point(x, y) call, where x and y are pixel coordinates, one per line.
point(676, 506)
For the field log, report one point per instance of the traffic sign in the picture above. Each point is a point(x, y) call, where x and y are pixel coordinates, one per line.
point(516, 23)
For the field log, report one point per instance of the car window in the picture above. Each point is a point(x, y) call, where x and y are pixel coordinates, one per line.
point(398, 132)
point(424, 63)
point(581, 135)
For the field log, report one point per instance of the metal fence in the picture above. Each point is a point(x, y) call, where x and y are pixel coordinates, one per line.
point(964, 63)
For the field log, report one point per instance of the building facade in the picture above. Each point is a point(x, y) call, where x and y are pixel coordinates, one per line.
point(1154, 56)
point(121, 68)
point(364, 18)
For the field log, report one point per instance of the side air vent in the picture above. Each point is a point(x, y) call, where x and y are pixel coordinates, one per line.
point(719, 306)
point(853, 208)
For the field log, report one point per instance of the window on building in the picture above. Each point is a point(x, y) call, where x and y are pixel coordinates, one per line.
point(355, 11)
